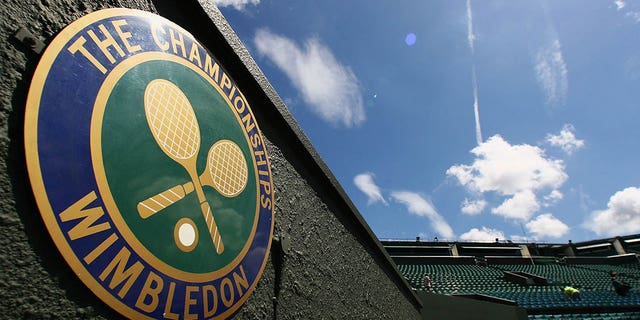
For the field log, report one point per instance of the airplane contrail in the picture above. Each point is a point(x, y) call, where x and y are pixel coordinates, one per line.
point(470, 35)
point(476, 106)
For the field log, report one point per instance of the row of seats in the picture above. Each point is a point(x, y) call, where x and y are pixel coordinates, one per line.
point(557, 299)
point(593, 281)
point(456, 279)
point(590, 277)
point(588, 316)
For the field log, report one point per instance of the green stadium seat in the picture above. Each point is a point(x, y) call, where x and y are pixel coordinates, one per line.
point(592, 280)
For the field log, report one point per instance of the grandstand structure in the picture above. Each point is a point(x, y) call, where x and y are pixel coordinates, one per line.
point(527, 277)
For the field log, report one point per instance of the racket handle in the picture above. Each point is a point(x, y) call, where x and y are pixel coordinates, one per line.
point(212, 227)
point(153, 205)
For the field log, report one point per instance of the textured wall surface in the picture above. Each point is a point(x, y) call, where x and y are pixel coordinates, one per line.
point(320, 267)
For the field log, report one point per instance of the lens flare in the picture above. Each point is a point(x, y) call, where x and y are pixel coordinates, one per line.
point(410, 39)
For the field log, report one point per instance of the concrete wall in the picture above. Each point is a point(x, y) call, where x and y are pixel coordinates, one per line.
point(437, 307)
point(325, 262)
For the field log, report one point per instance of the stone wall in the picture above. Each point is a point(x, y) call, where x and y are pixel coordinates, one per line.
point(325, 262)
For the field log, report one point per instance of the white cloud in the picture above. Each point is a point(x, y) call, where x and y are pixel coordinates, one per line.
point(521, 206)
point(546, 225)
point(237, 4)
point(509, 169)
point(551, 72)
point(328, 87)
point(622, 215)
point(518, 238)
point(553, 197)
point(486, 234)
point(514, 171)
point(418, 205)
point(364, 182)
point(566, 140)
point(473, 207)
point(635, 15)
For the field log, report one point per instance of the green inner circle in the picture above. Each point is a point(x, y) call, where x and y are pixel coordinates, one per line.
point(137, 169)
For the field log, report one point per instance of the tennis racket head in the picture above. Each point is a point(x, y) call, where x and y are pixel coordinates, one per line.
point(227, 168)
point(172, 120)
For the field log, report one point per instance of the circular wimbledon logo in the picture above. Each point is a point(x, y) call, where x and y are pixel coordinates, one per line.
point(148, 167)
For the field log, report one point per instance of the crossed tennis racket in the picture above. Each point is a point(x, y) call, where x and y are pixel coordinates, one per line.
point(174, 126)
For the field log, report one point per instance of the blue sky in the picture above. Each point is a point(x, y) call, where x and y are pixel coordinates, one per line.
point(465, 120)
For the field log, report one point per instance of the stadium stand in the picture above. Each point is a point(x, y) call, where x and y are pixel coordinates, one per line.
point(516, 273)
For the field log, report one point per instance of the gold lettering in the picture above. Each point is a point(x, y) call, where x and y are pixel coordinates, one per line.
point(89, 216)
point(232, 92)
point(248, 124)
point(240, 281)
point(124, 36)
point(226, 82)
point(100, 248)
point(255, 140)
point(167, 305)
point(175, 43)
point(120, 274)
point(265, 184)
point(227, 300)
point(260, 158)
point(104, 45)
point(162, 45)
point(152, 288)
point(238, 102)
point(78, 45)
point(265, 202)
point(205, 300)
point(212, 69)
point(195, 54)
point(188, 302)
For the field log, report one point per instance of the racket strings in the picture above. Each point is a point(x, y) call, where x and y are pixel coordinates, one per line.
point(228, 168)
point(173, 120)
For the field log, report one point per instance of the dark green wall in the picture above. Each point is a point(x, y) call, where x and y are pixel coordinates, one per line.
point(352, 278)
